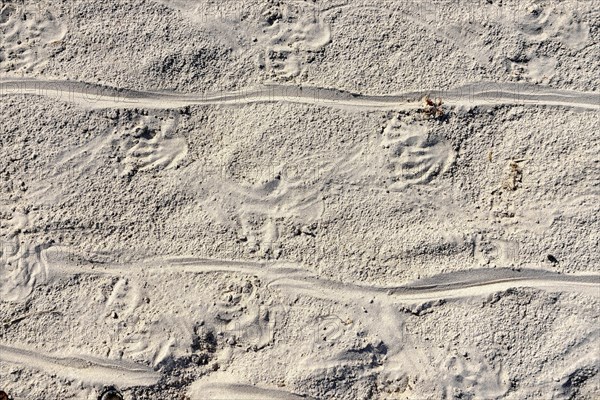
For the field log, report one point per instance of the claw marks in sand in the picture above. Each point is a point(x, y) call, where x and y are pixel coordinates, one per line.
point(406, 153)
point(293, 35)
point(238, 314)
point(139, 143)
point(414, 156)
point(151, 144)
point(150, 340)
point(30, 33)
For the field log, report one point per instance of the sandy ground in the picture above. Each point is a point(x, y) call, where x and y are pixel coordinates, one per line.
point(299, 199)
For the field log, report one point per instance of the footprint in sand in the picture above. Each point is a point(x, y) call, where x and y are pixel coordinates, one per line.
point(124, 299)
point(555, 22)
point(414, 156)
point(139, 143)
point(536, 70)
point(144, 143)
point(22, 265)
point(239, 315)
point(153, 145)
point(262, 201)
point(542, 23)
point(470, 377)
point(292, 37)
point(29, 35)
point(144, 340)
point(242, 313)
point(167, 337)
point(262, 215)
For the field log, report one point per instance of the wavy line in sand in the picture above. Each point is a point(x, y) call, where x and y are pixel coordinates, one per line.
point(291, 278)
point(477, 94)
point(235, 391)
point(82, 368)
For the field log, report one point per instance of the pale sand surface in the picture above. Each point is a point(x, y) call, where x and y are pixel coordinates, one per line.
point(254, 199)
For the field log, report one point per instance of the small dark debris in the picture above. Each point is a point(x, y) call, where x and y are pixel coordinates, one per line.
point(552, 259)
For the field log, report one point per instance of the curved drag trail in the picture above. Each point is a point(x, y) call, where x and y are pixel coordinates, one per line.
point(487, 281)
point(478, 94)
point(290, 278)
point(236, 391)
point(82, 368)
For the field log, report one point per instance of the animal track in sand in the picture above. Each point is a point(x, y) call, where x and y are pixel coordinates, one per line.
point(292, 36)
point(22, 265)
point(240, 314)
point(124, 299)
point(414, 156)
point(133, 337)
point(469, 375)
point(542, 23)
point(261, 201)
point(168, 337)
point(260, 218)
point(138, 143)
point(153, 146)
point(537, 70)
point(559, 22)
point(29, 34)
point(245, 308)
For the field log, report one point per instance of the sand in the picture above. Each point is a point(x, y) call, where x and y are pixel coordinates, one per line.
point(299, 199)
